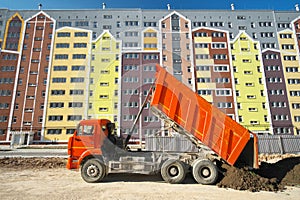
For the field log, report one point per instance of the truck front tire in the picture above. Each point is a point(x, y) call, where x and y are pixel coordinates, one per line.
point(173, 171)
point(93, 171)
point(205, 172)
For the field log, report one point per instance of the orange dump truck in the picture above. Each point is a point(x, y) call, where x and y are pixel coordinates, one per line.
point(97, 151)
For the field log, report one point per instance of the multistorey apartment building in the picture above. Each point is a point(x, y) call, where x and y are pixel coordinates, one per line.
point(104, 78)
point(29, 97)
point(249, 84)
point(68, 83)
point(245, 62)
point(138, 75)
point(8, 66)
point(213, 73)
point(277, 93)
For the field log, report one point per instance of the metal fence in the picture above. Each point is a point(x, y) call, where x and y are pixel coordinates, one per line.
point(269, 144)
point(171, 144)
point(279, 144)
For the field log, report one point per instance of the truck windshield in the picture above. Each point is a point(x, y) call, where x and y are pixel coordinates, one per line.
point(85, 130)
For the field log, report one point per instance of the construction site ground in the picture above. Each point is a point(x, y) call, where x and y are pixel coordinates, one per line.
point(47, 178)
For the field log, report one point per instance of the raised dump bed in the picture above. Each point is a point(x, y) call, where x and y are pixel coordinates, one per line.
point(203, 123)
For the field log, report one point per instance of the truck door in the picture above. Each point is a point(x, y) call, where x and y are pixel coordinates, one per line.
point(84, 139)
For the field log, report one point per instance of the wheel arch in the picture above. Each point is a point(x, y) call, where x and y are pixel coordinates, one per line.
point(89, 154)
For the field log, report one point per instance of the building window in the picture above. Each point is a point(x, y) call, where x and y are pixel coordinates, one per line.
point(254, 122)
point(55, 118)
point(285, 36)
point(220, 56)
point(63, 34)
point(79, 56)
point(103, 109)
point(293, 81)
point(81, 34)
point(80, 45)
point(223, 92)
point(75, 105)
point(70, 131)
point(241, 119)
point(280, 117)
point(267, 34)
point(216, 24)
point(54, 131)
point(77, 79)
point(62, 24)
point(74, 117)
point(294, 93)
point(61, 56)
point(218, 34)
point(76, 92)
point(265, 24)
point(284, 25)
point(131, 23)
point(56, 104)
point(224, 105)
point(60, 68)
point(81, 23)
point(59, 80)
point(251, 96)
point(252, 109)
point(78, 68)
point(57, 92)
point(276, 92)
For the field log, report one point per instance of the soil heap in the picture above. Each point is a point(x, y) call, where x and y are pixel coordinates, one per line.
point(269, 177)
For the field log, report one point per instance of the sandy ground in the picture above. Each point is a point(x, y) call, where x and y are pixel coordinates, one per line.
point(64, 184)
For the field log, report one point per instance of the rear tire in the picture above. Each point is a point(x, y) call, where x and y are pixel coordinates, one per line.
point(173, 171)
point(93, 171)
point(205, 172)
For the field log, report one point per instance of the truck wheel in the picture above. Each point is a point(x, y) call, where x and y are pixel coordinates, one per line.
point(205, 172)
point(173, 171)
point(92, 171)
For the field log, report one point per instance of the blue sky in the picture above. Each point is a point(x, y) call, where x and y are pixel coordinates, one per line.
point(151, 4)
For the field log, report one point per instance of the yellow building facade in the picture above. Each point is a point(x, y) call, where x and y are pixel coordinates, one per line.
point(150, 39)
point(104, 78)
point(250, 87)
point(203, 60)
point(67, 83)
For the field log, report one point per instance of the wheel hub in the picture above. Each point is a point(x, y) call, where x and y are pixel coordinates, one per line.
point(173, 171)
point(205, 172)
point(92, 170)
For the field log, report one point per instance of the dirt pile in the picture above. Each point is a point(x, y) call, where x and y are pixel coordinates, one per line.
point(269, 177)
point(243, 179)
point(33, 163)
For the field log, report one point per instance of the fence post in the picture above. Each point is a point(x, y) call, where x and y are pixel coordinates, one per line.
point(280, 144)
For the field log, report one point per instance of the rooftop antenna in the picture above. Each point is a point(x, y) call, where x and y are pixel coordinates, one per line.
point(40, 6)
point(232, 6)
point(297, 7)
point(168, 6)
point(103, 6)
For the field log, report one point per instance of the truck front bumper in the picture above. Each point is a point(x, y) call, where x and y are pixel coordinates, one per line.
point(72, 163)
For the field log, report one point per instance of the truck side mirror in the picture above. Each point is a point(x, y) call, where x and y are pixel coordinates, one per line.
point(111, 127)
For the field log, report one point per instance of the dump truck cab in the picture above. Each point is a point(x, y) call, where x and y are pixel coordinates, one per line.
point(88, 140)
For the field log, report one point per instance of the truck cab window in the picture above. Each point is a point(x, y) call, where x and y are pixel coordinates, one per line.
point(85, 130)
